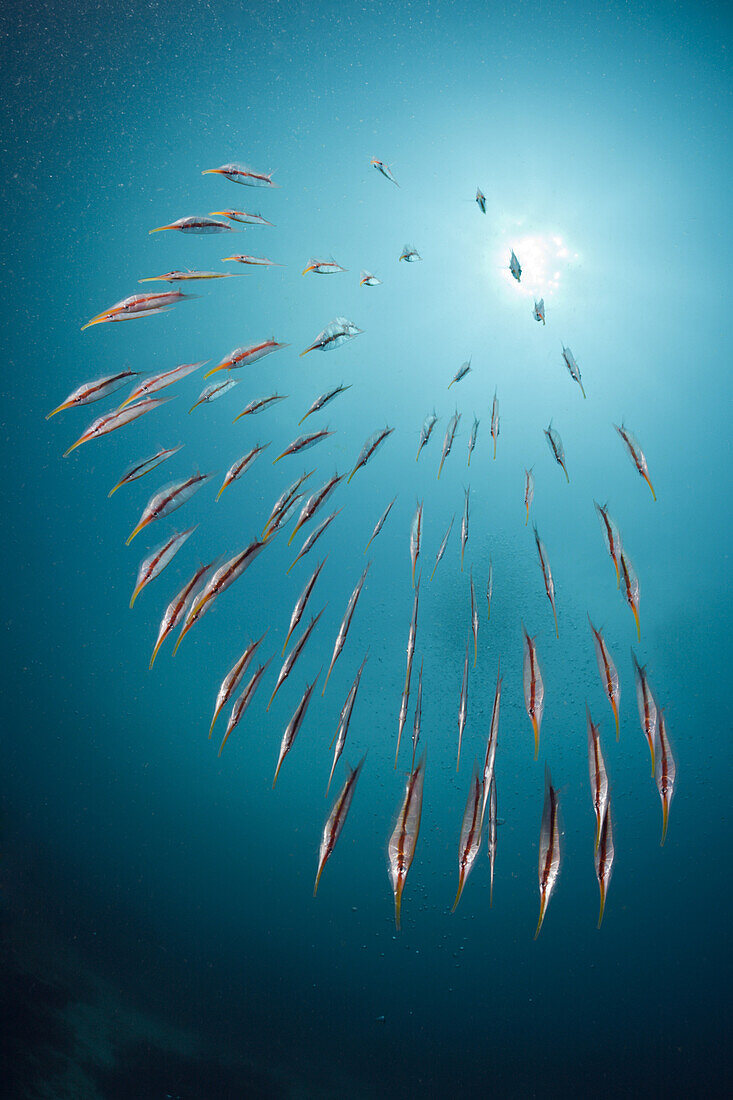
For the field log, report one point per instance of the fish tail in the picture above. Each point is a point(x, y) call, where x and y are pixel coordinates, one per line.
point(543, 906)
point(665, 819)
point(602, 887)
point(646, 479)
point(461, 881)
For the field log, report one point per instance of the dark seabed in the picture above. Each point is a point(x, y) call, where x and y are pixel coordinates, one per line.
point(159, 936)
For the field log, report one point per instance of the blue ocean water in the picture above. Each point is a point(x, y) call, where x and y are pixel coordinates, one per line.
point(160, 937)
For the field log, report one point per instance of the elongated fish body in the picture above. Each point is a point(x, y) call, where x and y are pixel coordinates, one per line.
point(245, 356)
point(304, 443)
point(118, 418)
point(333, 335)
point(607, 672)
point(297, 613)
point(367, 279)
point(89, 392)
point(214, 392)
point(223, 578)
point(491, 837)
point(176, 609)
point(631, 588)
point(534, 689)
point(384, 169)
point(240, 173)
point(190, 276)
point(336, 819)
point(323, 400)
point(665, 771)
point(417, 719)
point(233, 679)
point(472, 440)
point(345, 624)
point(464, 525)
point(598, 776)
point(461, 373)
point(481, 200)
point(251, 261)
point(409, 254)
point(243, 702)
point(648, 713)
point(539, 310)
point(441, 548)
point(314, 502)
point(528, 493)
point(470, 839)
point(154, 564)
point(474, 620)
point(573, 368)
point(546, 575)
point(283, 516)
point(426, 431)
point(636, 455)
point(549, 861)
point(491, 745)
point(369, 449)
point(403, 841)
point(462, 708)
point(292, 657)
point(285, 498)
point(240, 467)
point(411, 638)
point(240, 216)
point(140, 469)
point(259, 405)
point(344, 722)
point(168, 499)
point(604, 856)
point(323, 267)
point(293, 727)
point(489, 589)
point(612, 537)
point(495, 421)
point(139, 305)
point(554, 442)
point(197, 223)
point(416, 538)
point(313, 537)
point(450, 435)
point(515, 267)
point(380, 523)
point(155, 382)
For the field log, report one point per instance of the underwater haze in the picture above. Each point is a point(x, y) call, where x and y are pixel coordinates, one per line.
point(160, 938)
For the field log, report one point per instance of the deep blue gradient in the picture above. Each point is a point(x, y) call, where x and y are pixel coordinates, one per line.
point(165, 894)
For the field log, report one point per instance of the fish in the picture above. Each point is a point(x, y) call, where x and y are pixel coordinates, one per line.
point(214, 392)
point(139, 305)
point(632, 589)
point(549, 861)
point(648, 713)
point(259, 404)
point(233, 679)
point(495, 428)
point(472, 440)
point(604, 857)
point(190, 276)
point(573, 368)
point(546, 575)
point(464, 525)
point(370, 447)
point(167, 500)
point(441, 548)
point(323, 400)
point(539, 310)
point(450, 435)
point(380, 523)
point(89, 392)
point(554, 442)
point(367, 279)
point(293, 727)
point(344, 721)
point(241, 704)
point(323, 267)
point(297, 612)
point(416, 538)
point(608, 673)
point(115, 419)
point(534, 688)
point(426, 431)
point(285, 498)
point(462, 707)
point(665, 771)
point(612, 535)
point(384, 169)
point(241, 466)
point(491, 744)
point(336, 818)
point(146, 466)
point(411, 638)
point(303, 443)
point(154, 564)
point(598, 775)
point(313, 538)
point(515, 267)
point(474, 621)
point(491, 837)
point(417, 720)
point(245, 356)
point(314, 502)
point(403, 841)
point(292, 657)
point(196, 224)
point(251, 261)
point(155, 382)
point(461, 373)
point(176, 609)
point(223, 578)
point(333, 336)
point(345, 625)
point(239, 173)
point(489, 589)
point(635, 454)
point(481, 200)
point(240, 216)
point(528, 492)
point(410, 254)
point(470, 840)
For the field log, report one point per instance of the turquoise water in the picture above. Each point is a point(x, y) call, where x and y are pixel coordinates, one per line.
point(159, 931)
